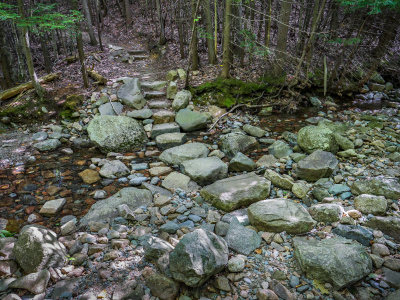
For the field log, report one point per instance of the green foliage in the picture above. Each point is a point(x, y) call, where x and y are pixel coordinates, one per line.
point(204, 34)
point(5, 233)
point(374, 6)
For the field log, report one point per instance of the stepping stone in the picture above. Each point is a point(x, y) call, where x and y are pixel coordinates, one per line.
point(136, 51)
point(191, 120)
point(177, 180)
point(159, 104)
point(179, 154)
point(109, 109)
point(140, 114)
point(154, 95)
point(169, 140)
point(164, 116)
point(242, 239)
point(232, 193)
point(235, 142)
point(140, 57)
point(156, 189)
point(205, 170)
point(52, 207)
point(155, 85)
point(159, 129)
point(317, 165)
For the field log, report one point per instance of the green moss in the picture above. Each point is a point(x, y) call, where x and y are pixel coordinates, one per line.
point(71, 105)
point(273, 80)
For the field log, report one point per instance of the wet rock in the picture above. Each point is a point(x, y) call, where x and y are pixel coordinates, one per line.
point(176, 180)
point(130, 93)
point(254, 130)
point(327, 212)
point(378, 186)
point(317, 165)
point(156, 248)
point(163, 287)
point(114, 169)
point(52, 207)
point(37, 248)
point(169, 140)
point(280, 149)
point(328, 260)
point(277, 215)
point(242, 239)
point(181, 100)
point(39, 136)
point(232, 193)
point(48, 145)
point(89, 176)
point(198, 255)
point(190, 120)
point(240, 163)
point(282, 181)
point(312, 138)
point(116, 133)
point(108, 208)
point(235, 142)
point(205, 170)
point(34, 282)
point(141, 114)
point(352, 232)
point(179, 154)
point(370, 204)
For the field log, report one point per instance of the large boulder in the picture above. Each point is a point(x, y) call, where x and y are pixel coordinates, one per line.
point(317, 165)
point(37, 248)
point(378, 186)
point(198, 256)
point(190, 120)
point(388, 225)
point(179, 154)
point(181, 100)
point(235, 142)
point(232, 193)
point(205, 170)
point(277, 215)
point(370, 204)
point(130, 93)
point(337, 261)
point(116, 133)
point(312, 138)
point(108, 208)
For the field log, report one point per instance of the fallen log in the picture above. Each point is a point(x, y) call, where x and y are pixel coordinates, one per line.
point(96, 76)
point(7, 94)
point(74, 58)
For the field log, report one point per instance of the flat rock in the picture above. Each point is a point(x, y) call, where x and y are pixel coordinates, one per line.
point(353, 232)
point(254, 130)
point(388, 225)
point(240, 163)
point(237, 191)
point(89, 176)
point(163, 116)
point(370, 204)
point(111, 109)
point(190, 120)
point(235, 142)
point(205, 170)
point(242, 239)
point(277, 215)
point(156, 189)
point(328, 260)
point(159, 129)
point(108, 208)
point(176, 180)
point(267, 161)
point(34, 282)
point(141, 114)
point(169, 140)
point(114, 169)
point(52, 207)
point(280, 149)
point(317, 165)
point(378, 186)
point(48, 145)
point(282, 181)
point(179, 154)
point(154, 85)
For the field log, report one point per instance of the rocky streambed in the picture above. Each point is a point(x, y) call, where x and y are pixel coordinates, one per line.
point(141, 202)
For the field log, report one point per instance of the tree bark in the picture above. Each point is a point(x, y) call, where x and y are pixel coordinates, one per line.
point(195, 54)
point(128, 15)
point(5, 61)
point(268, 22)
point(178, 16)
point(98, 22)
point(89, 24)
point(46, 54)
point(227, 39)
point(212, 59)
point(25, 45)
point(283, 28)
point(161, 21)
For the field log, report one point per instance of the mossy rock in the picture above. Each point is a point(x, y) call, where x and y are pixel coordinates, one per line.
point(71, 105)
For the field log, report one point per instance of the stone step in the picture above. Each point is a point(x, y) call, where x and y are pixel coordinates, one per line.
point(164, 128)
point(154, 86)
point(140, 57)
point(164, 116)
point(160, 104)
point(154, 95)
point(137, 51)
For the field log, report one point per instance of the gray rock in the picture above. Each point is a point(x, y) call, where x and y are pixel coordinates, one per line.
point(235, 142)
point(159, 129)
point(156, 189)
point(300, 190)
point(37, 248)
point(280, 149)
point(240, 215)
point(116, 133)
point(388, 225)
point(130, 93)
point(236, 264)
point(198, 256)
point(156, 248)
point(81, 143)
point(277, 215)
point(392, 278)
point(181, 100)
point(343, 142)
point(317, 165)
point(39, 136)
point(205, 170)
point(172, 90)
point(169, 140)
point(6, 248)
point(242, 239)
point(378, 186)
point(326, 212)
point(254, 130)
point(394, 296)
point(177, 180)
point(353, 232)
point(128, 289)
point(315, 101)
point(65, 286)
point(34, 282)
point(52, 207)
point(108, 208)
point(141, 114)
point(179, 154)
point(170, 227)
point(312, 138)
point(163, 287)
point(282, 181)
point(190, 120)
point(267, 161)
point(232, 193)
point(370, 204)
point(329, 260)
point(240, 163)
point(155, 85)
point(114, 169)
point(48, 145)
point(109, 109)
point(394, 156)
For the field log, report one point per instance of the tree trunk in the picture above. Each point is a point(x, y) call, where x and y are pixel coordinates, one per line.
point(46, 54)
point(227, 39)
point(25, 45)
point(161, 21)
point(88, 18)
point(128, 15)
point(212, 59)
point(19, 50)
point(268, 22)
point(5, 60)
point(98, 22)
point(195, 54)
point(178, 16)
point(283, 29)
